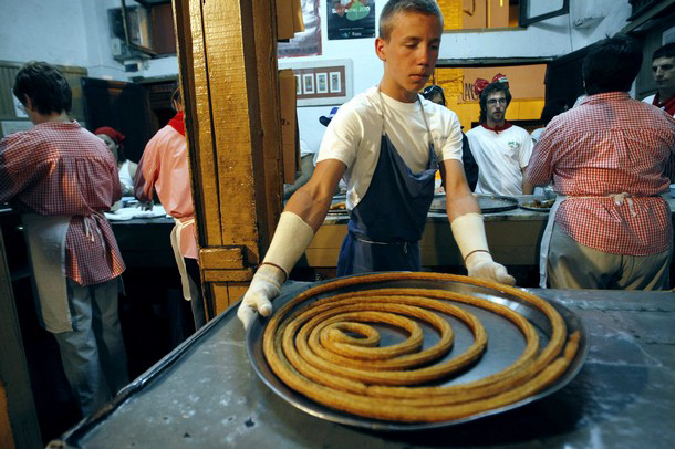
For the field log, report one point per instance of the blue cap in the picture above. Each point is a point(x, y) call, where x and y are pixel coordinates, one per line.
point(325, 119)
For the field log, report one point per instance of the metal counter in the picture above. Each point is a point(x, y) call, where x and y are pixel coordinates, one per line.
point(514, 237)
point(206, 394)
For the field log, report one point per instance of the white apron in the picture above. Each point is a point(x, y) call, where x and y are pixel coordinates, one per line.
point(46, 238)
point(546, 238)
point(190, 290)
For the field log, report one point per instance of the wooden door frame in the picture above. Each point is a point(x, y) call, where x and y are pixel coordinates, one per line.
point(229, 81)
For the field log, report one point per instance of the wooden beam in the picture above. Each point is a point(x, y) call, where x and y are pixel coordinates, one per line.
point(18, 418)
point(227, 60)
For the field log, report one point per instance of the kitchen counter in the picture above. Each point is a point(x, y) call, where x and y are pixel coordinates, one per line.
point(206, 394)
point(514, 237)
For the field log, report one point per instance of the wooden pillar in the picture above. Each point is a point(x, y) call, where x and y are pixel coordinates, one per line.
point(228, 72)
point(19, 425)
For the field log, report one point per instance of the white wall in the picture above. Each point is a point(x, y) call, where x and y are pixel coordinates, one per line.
point(50, 31)
point(68, 32)
point(588, 22)
point(75, 32)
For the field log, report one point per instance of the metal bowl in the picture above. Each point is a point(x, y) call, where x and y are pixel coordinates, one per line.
point(504, 346)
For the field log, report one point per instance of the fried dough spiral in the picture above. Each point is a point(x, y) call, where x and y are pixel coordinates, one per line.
point(311, 347)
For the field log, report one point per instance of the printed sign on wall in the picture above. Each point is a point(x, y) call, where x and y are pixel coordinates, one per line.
point(350, 19)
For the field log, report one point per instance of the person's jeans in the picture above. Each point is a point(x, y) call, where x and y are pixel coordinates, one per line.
point(93, 354)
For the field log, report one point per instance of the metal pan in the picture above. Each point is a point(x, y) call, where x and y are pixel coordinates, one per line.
point(505, 345)
point(526, 205)
point(487, 203)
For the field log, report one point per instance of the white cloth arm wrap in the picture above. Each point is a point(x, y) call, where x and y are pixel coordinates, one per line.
point(289, 242)
point(469, 233)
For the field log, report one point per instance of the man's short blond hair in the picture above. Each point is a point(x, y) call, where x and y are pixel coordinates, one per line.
point(393, 7)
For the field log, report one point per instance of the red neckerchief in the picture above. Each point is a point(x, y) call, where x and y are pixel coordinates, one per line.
point(668, 105)
point(178, 123)
point(497, 128)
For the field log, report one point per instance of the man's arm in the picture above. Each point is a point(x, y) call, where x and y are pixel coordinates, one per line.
point(147, 171)
point(312, 201)
point(301, 218)
point(459, 200)
point(527, 188)
point(19, 166)
point(468, 228)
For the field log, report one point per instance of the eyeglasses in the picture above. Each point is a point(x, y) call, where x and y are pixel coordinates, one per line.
point(494, 101)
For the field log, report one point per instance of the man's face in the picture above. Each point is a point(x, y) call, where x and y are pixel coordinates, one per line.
point(410, 54)
point(664, 74)
point(110, 143)
point(496, 107)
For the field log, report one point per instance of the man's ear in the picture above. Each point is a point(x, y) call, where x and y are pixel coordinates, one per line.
point(380, 49)
point(28, 103)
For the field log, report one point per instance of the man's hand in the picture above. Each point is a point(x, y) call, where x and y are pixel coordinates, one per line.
point(480, 265)
point(265, 286)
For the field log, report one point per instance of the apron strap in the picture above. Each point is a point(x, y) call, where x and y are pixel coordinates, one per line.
point(424, 115)
point(180, 261)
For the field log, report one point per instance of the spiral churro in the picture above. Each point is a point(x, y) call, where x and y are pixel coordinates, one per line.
point(309, 348)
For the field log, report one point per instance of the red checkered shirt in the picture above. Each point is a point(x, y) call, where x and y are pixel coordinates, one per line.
point(607, 145)
point(63, 169)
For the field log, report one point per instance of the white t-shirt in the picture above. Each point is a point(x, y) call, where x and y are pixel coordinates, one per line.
point(354, 137)
point(536, 135)
point(125, 177)
point(500, 158)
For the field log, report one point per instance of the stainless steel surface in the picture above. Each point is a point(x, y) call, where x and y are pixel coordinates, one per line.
point(536, 209)
point(505, 344)
point(206, 394)
point(487, 203)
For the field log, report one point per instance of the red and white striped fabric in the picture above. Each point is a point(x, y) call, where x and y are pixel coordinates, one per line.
point(607, 145)
point(63, 169)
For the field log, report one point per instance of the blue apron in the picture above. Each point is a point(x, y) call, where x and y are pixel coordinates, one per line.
point(386, 225)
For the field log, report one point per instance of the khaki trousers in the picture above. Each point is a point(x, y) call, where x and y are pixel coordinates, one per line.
point(575, 266)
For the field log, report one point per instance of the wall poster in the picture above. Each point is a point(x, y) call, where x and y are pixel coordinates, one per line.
point(350, 19)
point(308, 42)
point(318, 83)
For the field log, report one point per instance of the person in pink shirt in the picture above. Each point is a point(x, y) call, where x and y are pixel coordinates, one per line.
point(609, 227)
point(164, 167)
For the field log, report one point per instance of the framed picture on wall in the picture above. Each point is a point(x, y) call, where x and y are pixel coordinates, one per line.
point(308, 83)
point(298, 85)
point(322, 83)
point(327, 82)
point(335, 82)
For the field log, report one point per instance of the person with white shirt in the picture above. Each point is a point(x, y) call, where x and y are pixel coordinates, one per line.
point(663, 68)
point(501, 149)
point(387, 143)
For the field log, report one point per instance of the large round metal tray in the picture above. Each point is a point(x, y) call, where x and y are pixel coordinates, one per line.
point(487, 203)
point(505, 344)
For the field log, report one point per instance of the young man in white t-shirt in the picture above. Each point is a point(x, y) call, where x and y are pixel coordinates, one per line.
point(502, 150)
point(663, 69)
point(387, 144)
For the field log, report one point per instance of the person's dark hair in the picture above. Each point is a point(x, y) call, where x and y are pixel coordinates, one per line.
point(667, 51)
point(490, 89)
point(611, 65)
point(175, 96)
point(435, 94)
point(393, 7)
point(550, 110)
point(46, 87)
